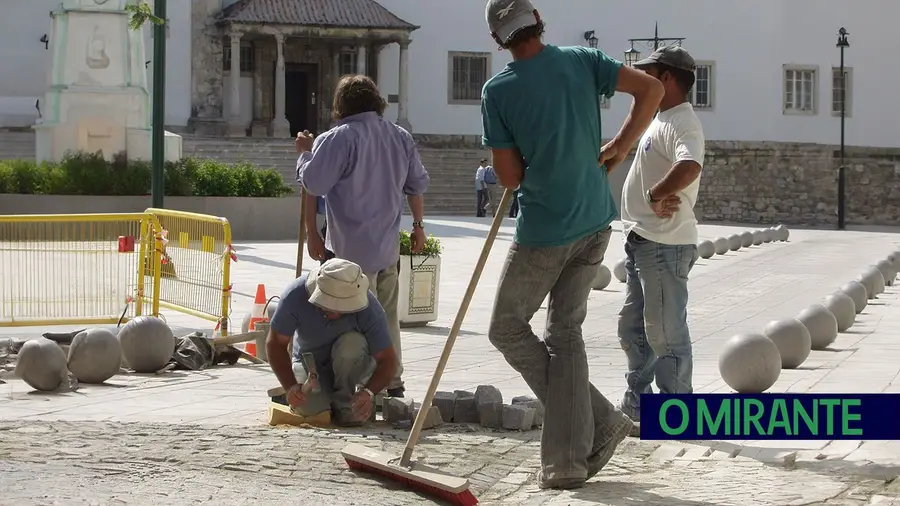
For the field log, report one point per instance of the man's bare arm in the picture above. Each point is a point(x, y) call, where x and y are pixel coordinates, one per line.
point(309, 215)
point(385, 369)
point(681, 175)
point(279, 360)
point(648, 92)
point(509, 167)
point(416, 207)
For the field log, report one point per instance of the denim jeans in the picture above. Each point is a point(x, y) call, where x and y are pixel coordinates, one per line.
point(653, 328)
point(350, 364)
point(579, 421)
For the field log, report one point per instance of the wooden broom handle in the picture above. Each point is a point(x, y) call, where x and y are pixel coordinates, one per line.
point(302, 236)
point(454, 330)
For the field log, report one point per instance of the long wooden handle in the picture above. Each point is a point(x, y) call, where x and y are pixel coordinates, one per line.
point(454, 331)
point(302, 236)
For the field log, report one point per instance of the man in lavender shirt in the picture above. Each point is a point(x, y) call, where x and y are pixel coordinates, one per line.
point(364, 166)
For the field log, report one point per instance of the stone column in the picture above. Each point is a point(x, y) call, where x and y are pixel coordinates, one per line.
point(403, 91)
point(361, 59)
point(280, 125)
point(336, 64)
point(235, 126)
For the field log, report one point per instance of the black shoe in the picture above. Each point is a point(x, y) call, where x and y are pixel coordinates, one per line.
point(396, 392)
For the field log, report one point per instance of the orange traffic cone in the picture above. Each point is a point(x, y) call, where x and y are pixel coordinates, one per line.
point(257, 316)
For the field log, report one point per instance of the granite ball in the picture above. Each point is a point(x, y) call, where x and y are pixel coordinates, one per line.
point(843, 308)
point(759, 237)
point(894, 258)
point(604, 277)
point(41, 364)
point(792, 339)
point(747, 239)
point(857, 291)
point(887, 271)
point(270, 311)
point(750, 363)
point(706, 249)
point(147, 344)
point(768, 235)
point(619, 270)
point(782, 233)
point(722, 245)
point(735, 242)
point(95, 355)
point(821, 324)
point(872, 279)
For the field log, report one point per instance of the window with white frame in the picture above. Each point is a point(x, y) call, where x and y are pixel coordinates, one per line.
point(838, 84)
point(348, 62)
point(247, 60)
point(800, 83)
point(701, 94)
point(467, 74)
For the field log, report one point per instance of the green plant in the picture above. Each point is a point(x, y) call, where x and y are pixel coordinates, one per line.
point(141, 12)
point(432, 245)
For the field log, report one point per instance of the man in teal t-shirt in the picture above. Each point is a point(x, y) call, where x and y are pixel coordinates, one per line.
point(541, 118)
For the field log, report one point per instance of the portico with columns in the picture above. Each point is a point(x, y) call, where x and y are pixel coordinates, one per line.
point(288, 70)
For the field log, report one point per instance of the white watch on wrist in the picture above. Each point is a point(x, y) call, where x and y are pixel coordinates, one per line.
point(362, 388)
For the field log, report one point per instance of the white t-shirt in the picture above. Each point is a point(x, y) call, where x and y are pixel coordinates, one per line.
point(674, 136)
point(479, 178)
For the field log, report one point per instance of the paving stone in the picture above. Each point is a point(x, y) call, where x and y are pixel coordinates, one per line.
point(465, 409)
point(397, 409)
point(534, 404)
point(517, 417)
point(432, 419)
point(490, 406)
point(445, 404)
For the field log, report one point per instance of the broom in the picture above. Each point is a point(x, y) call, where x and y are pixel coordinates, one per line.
point(452, 489)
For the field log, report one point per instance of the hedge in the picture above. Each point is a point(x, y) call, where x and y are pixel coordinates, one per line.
point(91, 174)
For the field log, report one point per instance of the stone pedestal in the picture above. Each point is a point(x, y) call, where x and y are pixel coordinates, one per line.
point(97, 98)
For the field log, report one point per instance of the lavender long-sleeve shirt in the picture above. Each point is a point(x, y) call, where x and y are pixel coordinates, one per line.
point(364, 167)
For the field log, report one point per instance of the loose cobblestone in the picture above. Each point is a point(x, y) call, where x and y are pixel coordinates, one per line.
point(76, 463)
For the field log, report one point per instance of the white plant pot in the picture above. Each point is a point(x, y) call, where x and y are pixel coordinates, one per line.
point(420, 285)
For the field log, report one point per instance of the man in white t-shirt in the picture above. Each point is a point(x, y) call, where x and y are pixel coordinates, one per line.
point(661, 237)
point(481, 188)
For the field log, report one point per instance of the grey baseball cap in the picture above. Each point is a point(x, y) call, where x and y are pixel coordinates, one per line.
point(506, 17)
point(673, 56)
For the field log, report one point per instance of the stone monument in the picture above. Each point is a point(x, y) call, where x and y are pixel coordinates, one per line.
point(97, 97)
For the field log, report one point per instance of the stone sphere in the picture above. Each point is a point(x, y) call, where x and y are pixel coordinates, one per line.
point(747, 239)
point(768, 235)
point(821, 324)
point(894, 258)
point(95, 355)
point(706, 249)
point(147, 344)
point(619, 270)
point(270, 310)
point(857, 291)
point(873, 281)
point(735, 242)
point(843, 308)
point(750, 363)
point(782, 233)
point(41, 363)
point(722, 245)
point(758, 237)
point(792, 339)
point(600, 282)
point(887, 271)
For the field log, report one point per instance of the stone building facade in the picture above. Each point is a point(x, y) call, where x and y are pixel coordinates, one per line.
point(295, 53)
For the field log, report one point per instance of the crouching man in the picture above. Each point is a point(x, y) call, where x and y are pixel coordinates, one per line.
point(331, 314)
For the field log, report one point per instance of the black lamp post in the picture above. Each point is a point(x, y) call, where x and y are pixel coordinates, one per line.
point(633, 55)
point(842, 44)
point(591, 39)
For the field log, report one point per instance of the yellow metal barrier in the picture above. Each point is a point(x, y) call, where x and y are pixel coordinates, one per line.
point(106, 268)
point(77, 268)
point(195, 265)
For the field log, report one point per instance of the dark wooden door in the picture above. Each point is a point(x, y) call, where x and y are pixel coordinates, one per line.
point(301, 97)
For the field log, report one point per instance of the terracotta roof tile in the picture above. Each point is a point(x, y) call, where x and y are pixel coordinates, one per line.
point(327, 13)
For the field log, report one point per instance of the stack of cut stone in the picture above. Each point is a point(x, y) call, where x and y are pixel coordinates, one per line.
point(484, 406)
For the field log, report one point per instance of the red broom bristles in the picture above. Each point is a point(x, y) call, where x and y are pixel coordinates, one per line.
point(464, 498)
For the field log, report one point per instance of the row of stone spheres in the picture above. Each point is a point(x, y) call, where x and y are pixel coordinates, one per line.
point(752, 363)
point(705, 249)
point(484, 406)
point(145, 345)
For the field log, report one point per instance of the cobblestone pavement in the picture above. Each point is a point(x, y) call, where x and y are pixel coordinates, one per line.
point(80, 463)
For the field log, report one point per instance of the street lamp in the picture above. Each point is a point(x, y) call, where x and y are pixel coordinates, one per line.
point(591, 39)
point(633, 55)
point(842, 44)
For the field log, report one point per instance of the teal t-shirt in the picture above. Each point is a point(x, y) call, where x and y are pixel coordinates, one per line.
point(548, 107)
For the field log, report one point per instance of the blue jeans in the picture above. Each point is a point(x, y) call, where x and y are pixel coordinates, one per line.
point(653, 327)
